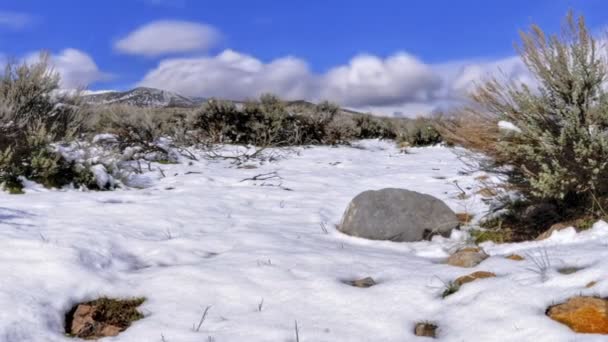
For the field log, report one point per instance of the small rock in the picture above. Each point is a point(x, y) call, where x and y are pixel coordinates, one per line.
point(362, 283)
point(582, 314)
point(568, 270)
point(84, 324)
point(554, 228)
point(591, 284)
point(425, 329)
point(515, 257)
point(467, 257)
point(473, 276)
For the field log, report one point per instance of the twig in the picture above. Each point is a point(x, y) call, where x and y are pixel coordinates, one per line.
point(297, 332)
point(200, 324)
point(263, 177)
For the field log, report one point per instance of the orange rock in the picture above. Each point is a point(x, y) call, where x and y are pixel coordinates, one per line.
point(582, 314)
point(515, 257)
point(473, 276)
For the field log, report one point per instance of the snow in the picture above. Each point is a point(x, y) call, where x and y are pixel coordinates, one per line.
point(508, 126)
point(201, 236)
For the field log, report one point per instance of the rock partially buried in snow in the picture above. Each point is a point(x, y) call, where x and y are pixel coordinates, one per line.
point(473, 276)
point(514, 257)
point(362, 283)
point(467, 257)
point(425, 329)
point(554, 228)
point(397, 215)
point(582, 314)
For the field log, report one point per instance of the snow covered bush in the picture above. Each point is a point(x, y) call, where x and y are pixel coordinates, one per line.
point(32, 122)
point(138, 129)
point(557, 152)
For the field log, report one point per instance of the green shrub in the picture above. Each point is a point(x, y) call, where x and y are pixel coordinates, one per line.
point(417, 132)
point(268, 122)
point(558, 153)
point(32, 122)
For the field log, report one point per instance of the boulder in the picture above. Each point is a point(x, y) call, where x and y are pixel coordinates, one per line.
point(467, 257)
point(397, 215)
point(582, 314)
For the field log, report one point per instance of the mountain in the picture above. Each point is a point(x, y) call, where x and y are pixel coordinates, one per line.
point(157, 98)
point(143, 97)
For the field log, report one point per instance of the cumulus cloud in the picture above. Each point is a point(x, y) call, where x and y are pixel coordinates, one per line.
point(233, 75)
point(399, 85)
point(365, 81)
point(14, 20)
point(167, 37)
point(465, 75)
point(372, 81)
point(76, 68)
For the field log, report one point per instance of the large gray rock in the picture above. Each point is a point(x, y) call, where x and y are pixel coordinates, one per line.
point(397, 215)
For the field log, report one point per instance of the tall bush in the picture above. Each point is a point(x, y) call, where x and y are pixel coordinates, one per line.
point(557, 148)
point(32, 119)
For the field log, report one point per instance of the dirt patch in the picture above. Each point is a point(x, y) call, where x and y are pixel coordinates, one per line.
point(102, 317)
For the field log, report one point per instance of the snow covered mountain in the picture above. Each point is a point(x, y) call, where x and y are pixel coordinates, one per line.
point(143, 97)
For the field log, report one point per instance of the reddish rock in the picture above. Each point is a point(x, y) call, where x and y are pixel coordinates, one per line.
point(582, 314)
point(473, 276)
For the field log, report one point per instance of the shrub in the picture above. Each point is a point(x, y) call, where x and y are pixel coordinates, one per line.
point(418, 132)
point(136, 128)
point(269, 122)
point(558, 150)
point(32, 122)
point(372, 127)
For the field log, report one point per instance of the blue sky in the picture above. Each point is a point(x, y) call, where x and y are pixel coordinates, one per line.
point(289, 47)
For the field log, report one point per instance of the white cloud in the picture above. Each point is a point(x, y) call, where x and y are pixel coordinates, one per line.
point(365, 81)
point(462, 77)
point(399, 85)
point(232, 75)
point(372, 81)
point(76, 68)
point(166, 37)
point(14, 20)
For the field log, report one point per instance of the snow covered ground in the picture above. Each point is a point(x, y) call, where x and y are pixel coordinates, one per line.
point(203, 237)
